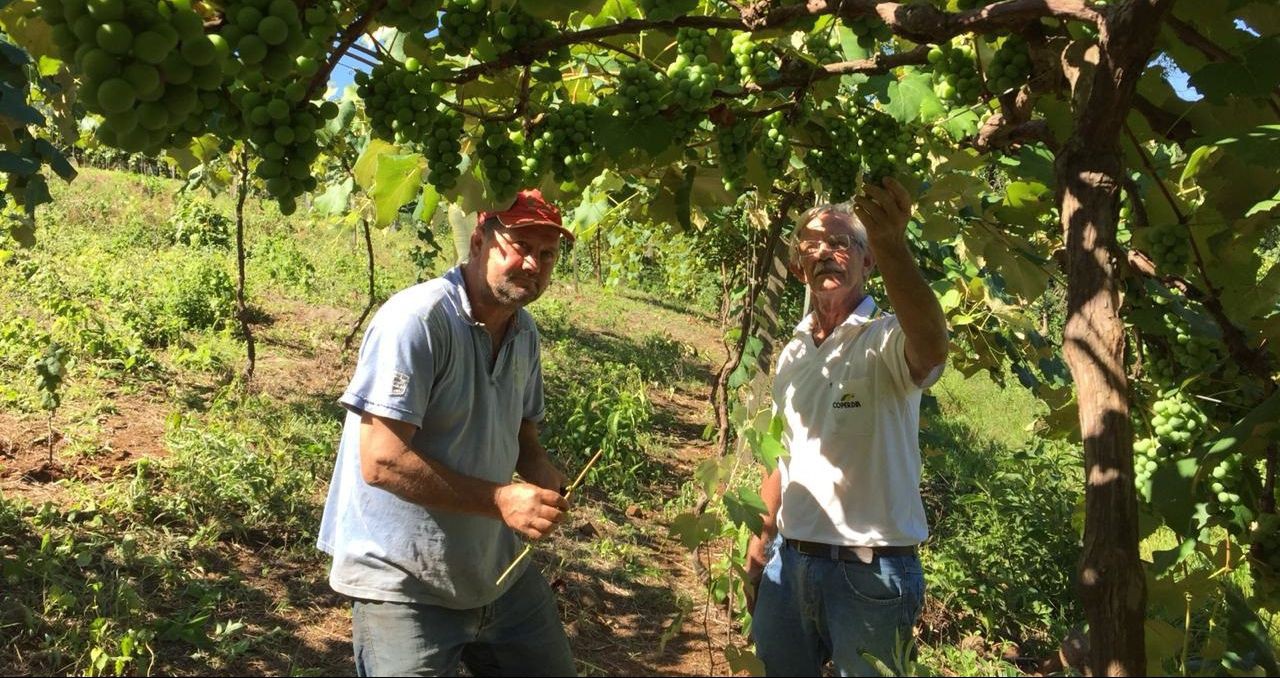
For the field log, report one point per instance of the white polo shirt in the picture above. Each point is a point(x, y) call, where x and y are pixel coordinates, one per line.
point(852, 423)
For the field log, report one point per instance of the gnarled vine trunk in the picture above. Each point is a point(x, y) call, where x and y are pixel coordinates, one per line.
point(1112, 585)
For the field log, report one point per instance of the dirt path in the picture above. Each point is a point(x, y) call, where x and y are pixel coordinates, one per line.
point(629, 594)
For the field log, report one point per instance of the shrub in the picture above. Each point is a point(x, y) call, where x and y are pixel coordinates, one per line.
point(196, 223)
point(600, 407)
point(191, 291)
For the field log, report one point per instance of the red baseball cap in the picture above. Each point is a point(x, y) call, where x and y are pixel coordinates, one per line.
point(529, 209)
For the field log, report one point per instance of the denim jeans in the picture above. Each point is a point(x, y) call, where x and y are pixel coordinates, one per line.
point(810, 609)
point(519, 634)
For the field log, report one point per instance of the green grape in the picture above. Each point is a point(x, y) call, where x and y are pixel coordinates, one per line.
point(835, 164)
point(400, 104)
point(642, 90)
point(461, 24)
point(565, 137)
point(775, 146)
point(1010, 66)
point(1146, 459)
point(734, 142)
point(515, 27)
point(870, 30)
point(1170, 247)
point(443, 149)
point(1225, 481)
point(148, 69)
point(500, 161)
point(693, 75)
point(1176, 421)
point(887, 148)
point(410, 16)
point(824, 46)
point(754, 62)
point(281, 131)
point(955, 73)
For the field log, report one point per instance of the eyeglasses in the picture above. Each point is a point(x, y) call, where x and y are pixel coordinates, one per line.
point(836, 242)
point(524, 250)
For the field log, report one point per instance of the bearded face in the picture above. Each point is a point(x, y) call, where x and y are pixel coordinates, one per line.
point(518, 262)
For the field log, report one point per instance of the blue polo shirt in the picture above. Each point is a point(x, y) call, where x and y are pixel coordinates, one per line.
point(426, 361)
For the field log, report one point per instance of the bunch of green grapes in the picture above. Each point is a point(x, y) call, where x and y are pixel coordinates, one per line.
point(775, 146)
point(1010, 65)
point(500, 161)
point(870, 29)
point(824, 46)
point(399, 101)
point(1225, 481)
point(835, 170)
point(267, 37)
point(887, 148)
point(1176, 421)
point(1193, 353)
point(147, 68)
point(955, 73)
point(754, 61)
point(514, 27)
point(461, 24)
point(321, 24)
point(410, 16)
point(1146, 459)
point(1170, 247)
point(692, 74)
point(443, 147)
point(734, 143)
point(282, 131)
point(566, 136)
point(641, 90)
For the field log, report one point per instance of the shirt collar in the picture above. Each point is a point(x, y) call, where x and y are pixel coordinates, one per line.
point(865, 312)
point(459, 284)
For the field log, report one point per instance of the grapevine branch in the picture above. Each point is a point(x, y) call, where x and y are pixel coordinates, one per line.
point(348, 37)
point(918, 23)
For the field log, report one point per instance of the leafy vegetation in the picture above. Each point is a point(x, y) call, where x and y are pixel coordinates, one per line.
point(1045, 143)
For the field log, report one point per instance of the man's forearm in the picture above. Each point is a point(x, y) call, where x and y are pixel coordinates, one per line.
point(914, 303)
point(771, 494)
point(429, 483)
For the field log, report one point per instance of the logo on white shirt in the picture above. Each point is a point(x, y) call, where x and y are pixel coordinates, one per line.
point(846, 401)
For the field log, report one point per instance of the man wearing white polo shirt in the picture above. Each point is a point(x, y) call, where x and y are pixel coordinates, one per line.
point(836, 566)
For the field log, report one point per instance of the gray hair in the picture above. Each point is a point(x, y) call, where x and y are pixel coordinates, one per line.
point(838, 210)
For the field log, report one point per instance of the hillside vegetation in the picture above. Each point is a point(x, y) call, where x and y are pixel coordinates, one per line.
point(161, 518)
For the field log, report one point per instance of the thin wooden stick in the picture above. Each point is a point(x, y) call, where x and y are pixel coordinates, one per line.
point(529, 547)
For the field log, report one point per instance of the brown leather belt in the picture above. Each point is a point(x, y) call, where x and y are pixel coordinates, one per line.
point(862, 554)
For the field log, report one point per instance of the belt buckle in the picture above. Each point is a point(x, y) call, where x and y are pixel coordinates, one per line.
point(864, 553)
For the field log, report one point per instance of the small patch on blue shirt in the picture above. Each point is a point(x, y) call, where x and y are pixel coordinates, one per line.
point(399, 384)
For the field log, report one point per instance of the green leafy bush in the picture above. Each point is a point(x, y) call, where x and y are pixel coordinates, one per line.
point(196, 223)
point(600, 407)
point(279, 257)
point(191, 291)
point(1003, 553)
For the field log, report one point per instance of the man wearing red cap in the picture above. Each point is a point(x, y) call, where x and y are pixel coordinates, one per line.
point(423, 515)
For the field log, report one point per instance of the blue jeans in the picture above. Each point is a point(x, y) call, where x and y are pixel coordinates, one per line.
point(519, 634)
point(810, 609)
